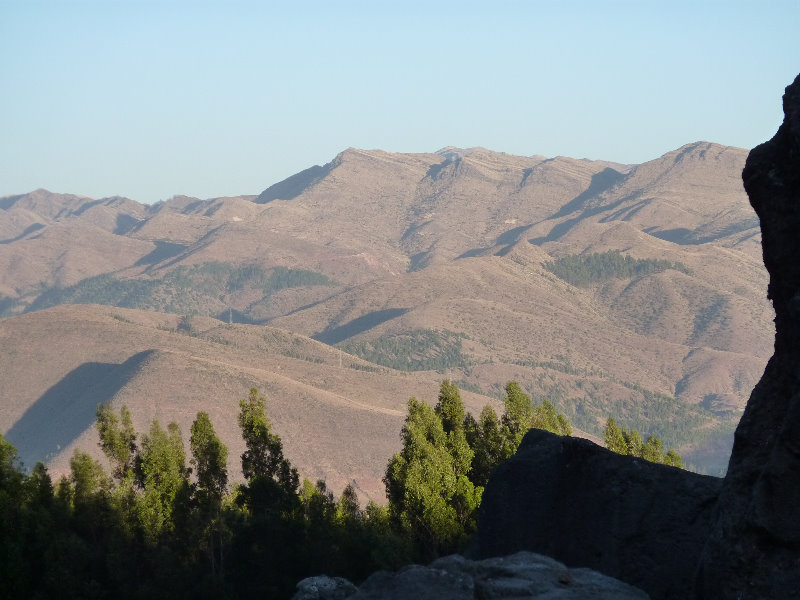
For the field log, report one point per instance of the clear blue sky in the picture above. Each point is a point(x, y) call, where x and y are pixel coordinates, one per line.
point(149, 99)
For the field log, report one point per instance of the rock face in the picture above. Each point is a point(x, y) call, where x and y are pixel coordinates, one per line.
point(754, 547)
point(522, 575)
point(584, 505)
point(672, 533)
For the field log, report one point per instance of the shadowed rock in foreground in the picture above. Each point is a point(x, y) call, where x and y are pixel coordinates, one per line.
point(677, 534)
point(522, 575)
point(754, 547)
point(573, 500)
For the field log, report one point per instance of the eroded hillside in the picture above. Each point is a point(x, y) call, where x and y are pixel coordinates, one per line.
point(447, 264)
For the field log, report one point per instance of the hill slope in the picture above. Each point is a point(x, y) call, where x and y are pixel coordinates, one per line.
point(339, 417)
point(482, 266)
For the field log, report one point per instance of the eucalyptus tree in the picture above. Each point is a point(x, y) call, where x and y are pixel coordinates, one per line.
point(210, 462)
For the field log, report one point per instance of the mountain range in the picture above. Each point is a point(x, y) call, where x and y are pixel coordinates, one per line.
point(628, 291)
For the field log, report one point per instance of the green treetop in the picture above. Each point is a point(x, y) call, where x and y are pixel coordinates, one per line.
point(623, 441)
point(164, 474)
point(264, 454)
point(426, 495)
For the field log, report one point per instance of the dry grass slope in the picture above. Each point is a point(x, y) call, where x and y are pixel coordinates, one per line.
point(403, 247)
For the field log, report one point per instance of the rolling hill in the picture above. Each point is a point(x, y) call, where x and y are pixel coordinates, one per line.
point(632, 291)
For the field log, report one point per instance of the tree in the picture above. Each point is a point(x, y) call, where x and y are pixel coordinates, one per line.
point(348, 510)
point(615, 437)
point(630, 442)
point(263, 458)
point(185, 325)
point(545, 417)
point(517, 418)
point(673, 459)
point(653, 450)
point(210, 460)
point(426, 496)
point(450, 410)
point(635, 443)
point(520, 415)
point(163, 476)
point(10, 476)
point(117, 439)
point(485, 437)
point(88, 479)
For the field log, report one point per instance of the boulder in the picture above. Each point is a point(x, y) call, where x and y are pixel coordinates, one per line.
point(323, 587)
point(582, 504)
point(753, 550)
point(521, 575)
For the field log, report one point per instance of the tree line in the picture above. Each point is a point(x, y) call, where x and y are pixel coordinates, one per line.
point(164, 524)
point(630, 443)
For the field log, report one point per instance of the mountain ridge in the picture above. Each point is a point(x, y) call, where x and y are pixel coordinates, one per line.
point(375, 250)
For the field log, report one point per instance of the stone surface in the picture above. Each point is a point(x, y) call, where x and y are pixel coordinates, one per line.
point(584, 505)
point(754, 547)
point(522, 575)
point(323, 587)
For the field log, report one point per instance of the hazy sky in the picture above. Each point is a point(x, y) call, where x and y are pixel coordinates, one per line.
point(151, 99)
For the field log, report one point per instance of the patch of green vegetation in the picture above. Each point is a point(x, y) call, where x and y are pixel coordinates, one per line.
point(560, 363)
point(583, 270)
point(417, 350)
point(217, 278)
point(360, 367)
point(6, 305)
point(295, 354)
point(469, 386)
point(182, 290)
point(675, 422)
point(103, 289)
point(219, 340)
point(121, 319)
point(709, 314)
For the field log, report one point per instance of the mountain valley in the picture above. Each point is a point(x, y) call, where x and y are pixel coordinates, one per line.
point(631, 291)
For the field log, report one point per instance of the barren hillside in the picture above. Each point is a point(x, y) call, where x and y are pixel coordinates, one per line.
point(633, 291)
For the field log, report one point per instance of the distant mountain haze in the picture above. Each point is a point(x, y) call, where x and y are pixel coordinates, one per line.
point(631, 291)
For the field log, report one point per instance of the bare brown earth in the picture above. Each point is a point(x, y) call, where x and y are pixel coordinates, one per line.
point(338, 421)
point(454, 241)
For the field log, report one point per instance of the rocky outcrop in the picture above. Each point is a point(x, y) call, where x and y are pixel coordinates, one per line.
point(581, 504)
point(754, 547)
point(323, 587)
point(522, 575)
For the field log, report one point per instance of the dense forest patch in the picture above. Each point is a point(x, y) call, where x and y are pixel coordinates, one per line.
point(417, 350)
point(585, 269)
point(163, 524)
point(184, 290)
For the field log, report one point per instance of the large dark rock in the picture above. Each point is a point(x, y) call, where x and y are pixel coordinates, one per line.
point(754, 547)
point(586, 506)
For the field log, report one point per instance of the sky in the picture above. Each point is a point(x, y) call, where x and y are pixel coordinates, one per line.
point(149, 99)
